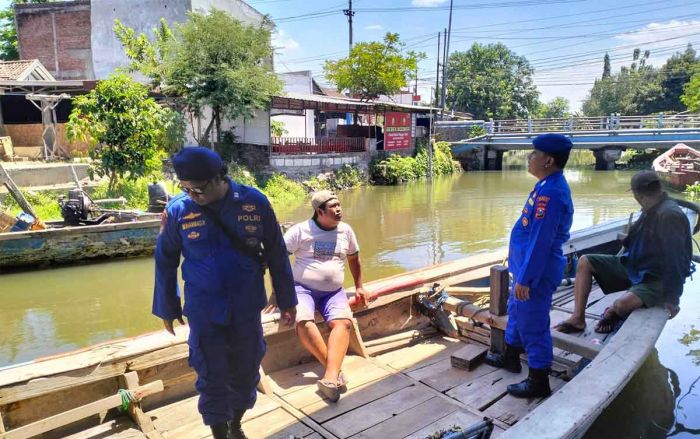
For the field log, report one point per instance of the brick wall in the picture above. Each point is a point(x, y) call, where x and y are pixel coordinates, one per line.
point(58, 34)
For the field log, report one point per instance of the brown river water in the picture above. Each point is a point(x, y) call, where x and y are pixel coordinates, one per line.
point(399, 228)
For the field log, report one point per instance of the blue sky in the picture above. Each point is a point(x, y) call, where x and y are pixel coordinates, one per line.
point(564, 40)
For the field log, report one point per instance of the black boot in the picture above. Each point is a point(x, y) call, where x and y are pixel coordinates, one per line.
point(220, 431)
point(509, 360)
point(236, 431)
point(536, 385)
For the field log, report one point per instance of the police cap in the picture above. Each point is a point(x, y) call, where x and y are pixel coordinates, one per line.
point(197, 163)
point(552, 143)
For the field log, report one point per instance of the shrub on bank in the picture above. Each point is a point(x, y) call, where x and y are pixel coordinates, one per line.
point(345, 177)
point(396, 169)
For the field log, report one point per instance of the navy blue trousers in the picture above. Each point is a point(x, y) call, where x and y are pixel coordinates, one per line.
point(227, 361)
point(528, 325)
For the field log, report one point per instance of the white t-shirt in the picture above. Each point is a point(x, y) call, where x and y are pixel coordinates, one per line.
point(320, 255)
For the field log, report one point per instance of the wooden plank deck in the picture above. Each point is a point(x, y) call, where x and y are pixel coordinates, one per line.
point(410, 392)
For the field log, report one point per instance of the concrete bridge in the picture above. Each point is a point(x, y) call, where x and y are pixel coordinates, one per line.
point(606, 136)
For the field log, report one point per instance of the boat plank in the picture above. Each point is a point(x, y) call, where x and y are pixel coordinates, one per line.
point(606, 301)
point(308, 395)
point(379, 411)
point(119, 428)
point(420, 355)
point(569, 412)
point(510, 409)
point(442, 376)
point(460, 418)
point(290, 380)
point(321, 411)
point(277, 424)
point(483, 391)
point(410, 421)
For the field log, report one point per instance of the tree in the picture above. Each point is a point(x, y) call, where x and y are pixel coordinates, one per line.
point(126, 128)
point(491, 81)
point(606, 66)
point(8, 32)
point(557, 107)
point(212, 61)
point(691, 91)
point(374, 68)
point(674, 75)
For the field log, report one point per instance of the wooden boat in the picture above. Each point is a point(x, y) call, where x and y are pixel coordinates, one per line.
point(414, 369)
point(679, 166)
point(113, 234)
point(70, 244)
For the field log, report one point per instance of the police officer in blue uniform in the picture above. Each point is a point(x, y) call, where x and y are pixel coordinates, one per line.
point(227, 234)
point(537, 265)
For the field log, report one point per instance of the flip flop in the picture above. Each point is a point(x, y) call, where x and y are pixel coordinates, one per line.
point(606, 325)
point(342, 382)
point(567, 328)
point(329, 390)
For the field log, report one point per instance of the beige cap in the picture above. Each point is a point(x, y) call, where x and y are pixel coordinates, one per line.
point(320, 197)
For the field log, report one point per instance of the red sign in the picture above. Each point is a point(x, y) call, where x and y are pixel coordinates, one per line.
point(416, 98)
point(397, 130)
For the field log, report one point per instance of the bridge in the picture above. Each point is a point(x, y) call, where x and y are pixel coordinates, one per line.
point(606, 136)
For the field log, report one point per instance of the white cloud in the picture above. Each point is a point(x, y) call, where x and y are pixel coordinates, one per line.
point(574, 83)
point(283, 43)
point(374, 27)
point(427, 3)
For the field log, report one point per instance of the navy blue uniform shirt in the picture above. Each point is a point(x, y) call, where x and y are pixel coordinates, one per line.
point(221, 283)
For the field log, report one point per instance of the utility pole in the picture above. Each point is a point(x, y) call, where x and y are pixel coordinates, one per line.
point(446, 59)
point(415, 88)
point(349, 13)
point(441, 104)
point(437, 75)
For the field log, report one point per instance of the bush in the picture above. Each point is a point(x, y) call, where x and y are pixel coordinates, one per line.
point(396, 169)
point(281, 189)
point(693, 190)
point(45, 204)
point(345, 177)
point(476, 131)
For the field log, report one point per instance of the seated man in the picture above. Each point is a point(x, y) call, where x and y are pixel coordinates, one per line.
point(320, 246)
point(652, 269)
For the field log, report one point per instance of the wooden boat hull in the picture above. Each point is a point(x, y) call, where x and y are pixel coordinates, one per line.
point(74, 244)
point(678, 167)
point(397, 358)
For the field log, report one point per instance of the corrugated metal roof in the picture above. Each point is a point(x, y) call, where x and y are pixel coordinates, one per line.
point(301, 97)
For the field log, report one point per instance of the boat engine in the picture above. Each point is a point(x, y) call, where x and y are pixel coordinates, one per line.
point(76, 208)
point(157, 197)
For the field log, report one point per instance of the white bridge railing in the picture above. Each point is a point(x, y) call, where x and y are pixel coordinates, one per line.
point(598, 123)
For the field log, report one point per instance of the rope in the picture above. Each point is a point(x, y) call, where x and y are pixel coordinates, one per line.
point(127, 399)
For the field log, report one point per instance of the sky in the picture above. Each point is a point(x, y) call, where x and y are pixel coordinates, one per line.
point(564, 40)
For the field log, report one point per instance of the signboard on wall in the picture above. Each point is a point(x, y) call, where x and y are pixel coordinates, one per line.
point(397, 130)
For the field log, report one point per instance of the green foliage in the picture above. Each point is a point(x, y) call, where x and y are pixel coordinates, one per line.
point(642, 89)
point(638, 159)
point(282, 190)
point(691, 91)
point(134, 191)
point(556, 108)
point(241, 175)
point(396, 169)
point(212, 61)
point(476, 131)
point(345, 177)
point(693, 190)
point(44, 203)
point(374, 68)
point(277, 128)
point(491, 81)
point(125, 126)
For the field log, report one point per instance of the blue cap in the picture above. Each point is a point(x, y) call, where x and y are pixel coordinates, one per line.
point(552, 143)
point(197, 163)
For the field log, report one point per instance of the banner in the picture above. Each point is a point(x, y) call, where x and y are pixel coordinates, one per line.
point(397, 130)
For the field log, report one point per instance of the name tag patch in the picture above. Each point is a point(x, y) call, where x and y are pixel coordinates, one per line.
point(191, 224)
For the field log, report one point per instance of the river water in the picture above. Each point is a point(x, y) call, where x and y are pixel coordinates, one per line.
point(399, 228)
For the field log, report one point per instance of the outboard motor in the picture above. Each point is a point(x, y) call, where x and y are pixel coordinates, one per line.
point(157, 197)
point(76, 208)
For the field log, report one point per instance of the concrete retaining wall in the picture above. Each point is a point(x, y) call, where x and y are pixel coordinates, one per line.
point(31, 135)
point(306, 164)
point(33, 175)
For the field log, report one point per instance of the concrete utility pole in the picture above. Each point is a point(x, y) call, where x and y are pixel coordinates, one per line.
point(441, 103)
point(446, 59)
point(437, 75)
point(349, 13)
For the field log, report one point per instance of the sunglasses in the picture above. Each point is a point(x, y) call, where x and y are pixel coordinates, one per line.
point(195, 190)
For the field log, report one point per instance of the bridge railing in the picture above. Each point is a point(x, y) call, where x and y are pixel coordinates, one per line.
point(597, 123)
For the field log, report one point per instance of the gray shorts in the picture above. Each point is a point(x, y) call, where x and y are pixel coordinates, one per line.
point(332, 305)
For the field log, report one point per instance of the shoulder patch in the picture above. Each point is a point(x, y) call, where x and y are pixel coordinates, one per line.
point(192, 215)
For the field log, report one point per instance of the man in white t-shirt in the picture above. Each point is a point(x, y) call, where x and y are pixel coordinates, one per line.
point(321, 246)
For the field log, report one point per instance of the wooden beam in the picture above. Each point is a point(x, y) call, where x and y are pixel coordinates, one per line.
point(2, 424)
point(483, 315)
point(130, 381)
point(357, 346)
point(577, 345)
point(498, 304)
point(94, 408)
point(569, 412)
point(15, 192)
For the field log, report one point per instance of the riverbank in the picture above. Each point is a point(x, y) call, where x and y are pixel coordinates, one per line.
point(282, 190)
